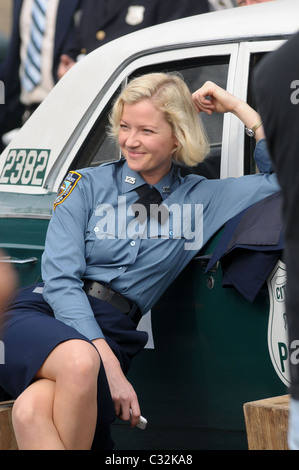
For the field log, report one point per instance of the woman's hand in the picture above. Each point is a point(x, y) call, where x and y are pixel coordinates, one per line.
point(211, 98)
point(122, 392)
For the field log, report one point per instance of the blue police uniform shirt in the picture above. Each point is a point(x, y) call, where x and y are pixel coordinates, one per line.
point(94, 233)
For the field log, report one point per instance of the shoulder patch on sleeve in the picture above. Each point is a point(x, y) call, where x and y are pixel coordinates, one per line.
point(67, 187)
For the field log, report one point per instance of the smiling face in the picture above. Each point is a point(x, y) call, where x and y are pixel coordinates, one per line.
point(146, 140)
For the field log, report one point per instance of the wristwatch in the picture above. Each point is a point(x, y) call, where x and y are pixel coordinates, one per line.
point(251, 132)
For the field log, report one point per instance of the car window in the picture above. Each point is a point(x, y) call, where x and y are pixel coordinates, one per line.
point(99, 148)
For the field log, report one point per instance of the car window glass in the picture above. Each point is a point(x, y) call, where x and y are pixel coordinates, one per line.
point(99, 148)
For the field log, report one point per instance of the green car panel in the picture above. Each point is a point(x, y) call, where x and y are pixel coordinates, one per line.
point(211, 356)
point(24, 221)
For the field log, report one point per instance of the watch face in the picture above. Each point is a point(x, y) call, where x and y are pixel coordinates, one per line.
point(249, 132)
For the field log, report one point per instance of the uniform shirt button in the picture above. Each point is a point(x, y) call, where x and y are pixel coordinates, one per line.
point(96, 229)
point(101, 35)
point(133, 243)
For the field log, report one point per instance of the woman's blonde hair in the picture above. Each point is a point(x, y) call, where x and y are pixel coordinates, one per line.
point(172, 97)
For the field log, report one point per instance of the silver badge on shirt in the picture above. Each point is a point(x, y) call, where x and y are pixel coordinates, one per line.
point(130, 180)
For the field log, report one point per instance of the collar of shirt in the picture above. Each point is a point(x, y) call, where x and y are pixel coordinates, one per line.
point(131, 180)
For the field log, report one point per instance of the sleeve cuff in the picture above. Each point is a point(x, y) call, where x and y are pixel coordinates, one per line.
point(89, 328)
point(262, 157)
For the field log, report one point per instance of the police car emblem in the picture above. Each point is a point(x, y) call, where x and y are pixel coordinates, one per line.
point(277, 325)
point(135, 15)
point(67, 187)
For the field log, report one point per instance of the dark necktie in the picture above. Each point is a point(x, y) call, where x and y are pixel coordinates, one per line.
point(149, 198)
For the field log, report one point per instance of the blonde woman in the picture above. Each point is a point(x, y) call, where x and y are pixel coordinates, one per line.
point(119, 235)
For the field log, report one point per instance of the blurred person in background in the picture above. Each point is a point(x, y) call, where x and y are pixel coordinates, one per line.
point(8, 283)
point(41, 31)
point(105, 20)
point(221, 4)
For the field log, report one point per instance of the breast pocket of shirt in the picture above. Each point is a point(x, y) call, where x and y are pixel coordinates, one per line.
point(107, 242)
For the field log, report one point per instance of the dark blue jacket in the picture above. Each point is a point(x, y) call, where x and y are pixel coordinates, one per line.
point(117, 18)
point(250, 246)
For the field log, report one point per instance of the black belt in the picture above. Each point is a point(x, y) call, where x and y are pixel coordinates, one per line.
point(99, 291)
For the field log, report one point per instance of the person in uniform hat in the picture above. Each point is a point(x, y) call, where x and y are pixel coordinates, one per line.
point(119, 235)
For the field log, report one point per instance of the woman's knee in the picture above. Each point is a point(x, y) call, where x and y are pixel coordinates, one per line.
point(34, 404)
point(82, 366)
point(74, 364)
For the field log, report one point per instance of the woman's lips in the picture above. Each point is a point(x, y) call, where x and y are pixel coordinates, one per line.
point(135, 155)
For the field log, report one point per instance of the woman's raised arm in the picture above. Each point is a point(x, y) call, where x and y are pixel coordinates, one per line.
point(211, 98)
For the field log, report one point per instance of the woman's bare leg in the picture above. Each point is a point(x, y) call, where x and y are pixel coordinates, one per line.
point(59, 410)
point(32, 418)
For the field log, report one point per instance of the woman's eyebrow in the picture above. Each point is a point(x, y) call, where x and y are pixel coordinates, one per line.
point(140, 125)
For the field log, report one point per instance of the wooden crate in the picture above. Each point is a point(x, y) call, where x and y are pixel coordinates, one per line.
point(267, 423)
point(7, 436)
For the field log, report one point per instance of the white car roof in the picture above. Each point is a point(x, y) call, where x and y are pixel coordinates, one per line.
point(53, 124)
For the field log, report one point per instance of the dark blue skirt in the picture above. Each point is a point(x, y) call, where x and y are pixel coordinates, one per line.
point(30, 332)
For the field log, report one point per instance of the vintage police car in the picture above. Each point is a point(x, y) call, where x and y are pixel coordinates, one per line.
point(208, 352)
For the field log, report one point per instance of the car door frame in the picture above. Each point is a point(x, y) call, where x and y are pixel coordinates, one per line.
point(233, 166)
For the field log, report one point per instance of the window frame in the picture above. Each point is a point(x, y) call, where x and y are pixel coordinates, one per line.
point(239, 142)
